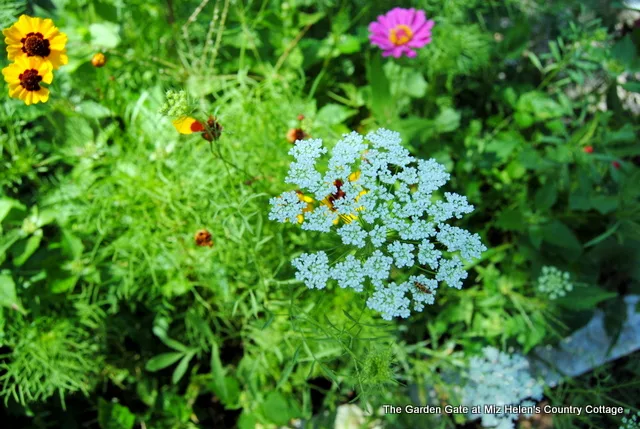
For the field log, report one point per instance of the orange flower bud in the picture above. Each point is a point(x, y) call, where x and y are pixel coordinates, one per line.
point(99, 60)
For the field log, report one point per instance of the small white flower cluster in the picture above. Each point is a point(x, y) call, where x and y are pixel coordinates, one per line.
point(630, 421)
point(554, 283)
point(499, 379)
point(381, 202)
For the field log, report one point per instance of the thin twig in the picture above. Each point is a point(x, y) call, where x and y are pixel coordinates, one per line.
point(171, 18)
point(147, 59)
point(185, 27)
point(209, 39)
point(225, 10)
point(290, 47)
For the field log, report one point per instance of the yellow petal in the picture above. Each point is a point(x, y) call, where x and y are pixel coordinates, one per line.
point(57, 41)
point(35, 23)
point(23, 63)
point(14, 91)
point(14, 52)
point(45, 70)
point(12, 35)
point(11, 75)
point(23, 24)
point(57, 59)
point(183, 125)
point(46, 27)
point(41, 96)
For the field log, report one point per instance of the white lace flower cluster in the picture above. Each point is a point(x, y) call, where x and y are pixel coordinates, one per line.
point(380, 200)
point(630, 421)
point(554, 283)
point(499, 379)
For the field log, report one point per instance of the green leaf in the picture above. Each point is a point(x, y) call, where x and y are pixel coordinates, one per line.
point(585, 298)
point(8, 204)
point(61, 283)
point(114, 416)
point(405, 81)
point(247, 421)
point(603, 236)
point(381, 101)
point(24, 249)
point(625, 134)
point(288, 368)
point(447, 120)
point(329, 373)
point(71, 245)
point(511, 220)
point(625, 51)
point(605, 203)
point(348, 44)
point(162, 361)
point(105, 34)
point(333, 114)
point(503, 145)
point(219, 384)
point(91, 109)
point(309, 18)
point(160, 331)
point(632, 86)
point(546, 196)
point(536, 236)
point(78, 131)
point(536, 106)
point(175, 345)
point(233, 392)
point(8, 296)
point(277, 409)
point(182, 367)
point(558, 234)
point(535, 60)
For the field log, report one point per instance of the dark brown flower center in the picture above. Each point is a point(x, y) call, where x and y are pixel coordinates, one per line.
point(337, 195)
point(34, 44)
point(215, 127)
point(30, 80)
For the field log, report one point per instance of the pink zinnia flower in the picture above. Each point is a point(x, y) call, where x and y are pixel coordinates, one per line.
point(400, 31)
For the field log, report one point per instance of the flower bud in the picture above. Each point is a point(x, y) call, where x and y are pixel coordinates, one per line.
point(99, 60)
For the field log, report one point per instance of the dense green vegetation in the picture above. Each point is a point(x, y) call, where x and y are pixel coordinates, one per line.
point(115, 312)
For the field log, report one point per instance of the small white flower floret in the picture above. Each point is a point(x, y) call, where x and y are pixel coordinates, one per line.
point(312, 269)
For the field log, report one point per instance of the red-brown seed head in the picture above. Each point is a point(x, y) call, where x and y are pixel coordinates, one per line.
point(295, 134)
point(215, 130)
point(203, 238)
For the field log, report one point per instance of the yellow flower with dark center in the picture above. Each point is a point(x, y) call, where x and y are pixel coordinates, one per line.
point(25, 77)
point(35, 37)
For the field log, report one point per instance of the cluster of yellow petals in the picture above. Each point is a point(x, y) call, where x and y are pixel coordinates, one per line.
point(36, 47)
point(327, 201)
